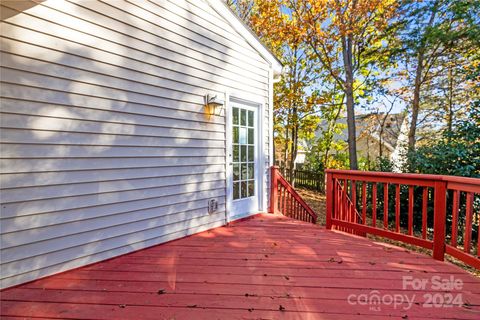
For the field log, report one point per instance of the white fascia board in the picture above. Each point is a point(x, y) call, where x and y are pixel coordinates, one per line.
point(223, 10)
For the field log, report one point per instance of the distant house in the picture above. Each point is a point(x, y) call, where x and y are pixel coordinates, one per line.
point(126, 125)
point(378, 134)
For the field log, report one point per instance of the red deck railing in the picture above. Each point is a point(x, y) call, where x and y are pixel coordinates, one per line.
point(431, 211)
point(284, 199)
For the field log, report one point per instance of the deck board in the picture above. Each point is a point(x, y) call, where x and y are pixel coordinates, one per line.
point(249, 270)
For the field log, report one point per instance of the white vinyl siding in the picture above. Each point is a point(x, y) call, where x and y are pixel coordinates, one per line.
point(106, 147)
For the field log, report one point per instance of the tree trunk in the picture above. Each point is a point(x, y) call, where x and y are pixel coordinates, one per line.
point(416, 102)
point(449, 112)
point(285, 151)
point(380, 143)
point(418, 83)
point(293, 152)
point(352, 141)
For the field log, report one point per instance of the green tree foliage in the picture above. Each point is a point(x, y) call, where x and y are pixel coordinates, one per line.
point(456, 153)
point(344, 57)
point(433, 42)
point(296, 100)
point(346, 37)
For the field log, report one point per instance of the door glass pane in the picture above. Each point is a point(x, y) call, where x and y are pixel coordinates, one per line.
point(251, 188)
point(243, 175)
point(236, 190)
point(251, 153)
point(236, 153)
point(251, 171)
point(250, 118)
point(243, 117)
point(251, 136)
point(235, 135)
point(236, 172)
point(243, 153)
point(243, 136)
point(235, 117)
point(243, 189)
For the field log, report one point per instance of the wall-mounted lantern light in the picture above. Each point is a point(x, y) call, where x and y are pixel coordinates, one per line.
point(213, 105)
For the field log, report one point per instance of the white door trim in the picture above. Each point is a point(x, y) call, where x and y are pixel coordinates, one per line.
point(228, 156)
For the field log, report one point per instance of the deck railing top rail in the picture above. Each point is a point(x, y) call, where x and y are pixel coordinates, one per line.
point(412, 176)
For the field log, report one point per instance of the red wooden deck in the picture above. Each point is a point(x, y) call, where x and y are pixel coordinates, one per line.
point(268, 267)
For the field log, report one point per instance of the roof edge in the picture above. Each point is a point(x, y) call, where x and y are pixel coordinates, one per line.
point(226, 12)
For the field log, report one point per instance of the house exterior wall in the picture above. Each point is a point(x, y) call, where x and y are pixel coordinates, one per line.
point(106, 148)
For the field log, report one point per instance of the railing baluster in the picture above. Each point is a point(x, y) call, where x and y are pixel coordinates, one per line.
point(290, 205)
point(468, 223)
point(331, 199)
point(455, 207)
point(374, 204)
point(439, 220)
point(424, 212)
point(344, 194)
point(296, 209)
point(353, 212)
point(364, 202)
point(410, 210)
point(341, 202)
point(385, 206)
point(397, 207)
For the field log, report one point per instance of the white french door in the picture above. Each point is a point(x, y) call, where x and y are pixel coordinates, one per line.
point(243, 159)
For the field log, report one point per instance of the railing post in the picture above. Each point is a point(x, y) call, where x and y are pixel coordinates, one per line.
point(439, 220)
point(273, 190)
point(330, 198)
